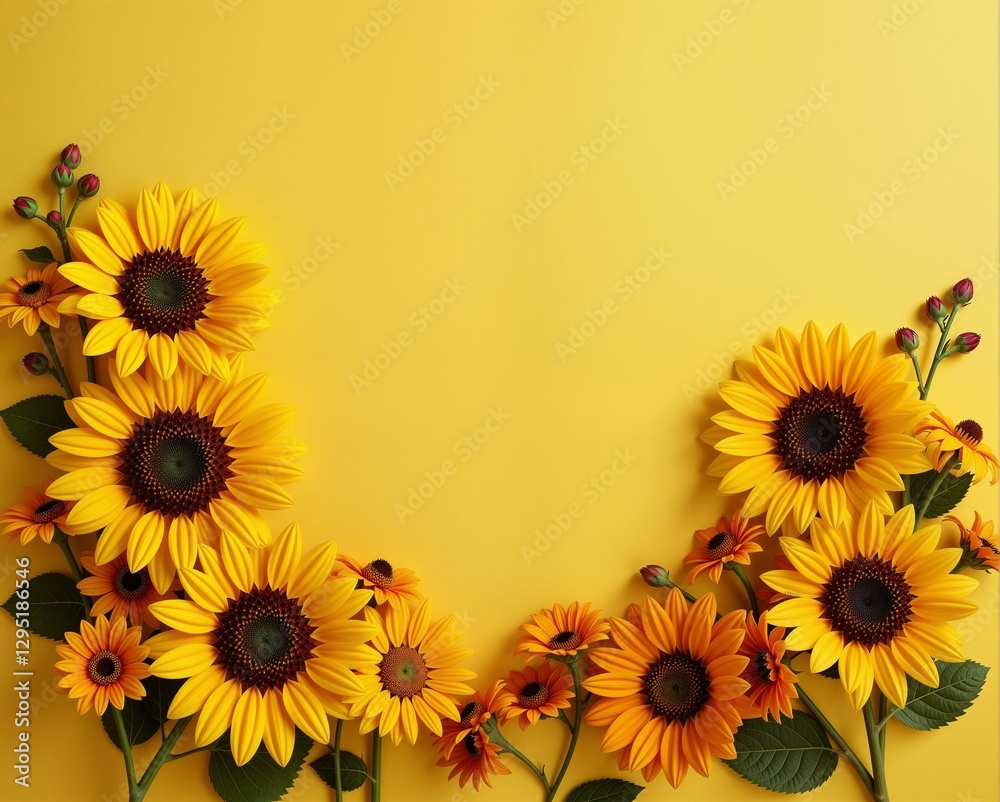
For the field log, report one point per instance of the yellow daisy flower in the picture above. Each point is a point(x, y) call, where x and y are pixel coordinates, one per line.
point(34, 298)
point(874, 597)
point(817, 426)
point(170, 284)
point(964, 438)
point(162, 465)
point(266, 643)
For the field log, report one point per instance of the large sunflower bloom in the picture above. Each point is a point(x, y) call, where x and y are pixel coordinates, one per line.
point(170, 284)
point(561, 631)
point(120, 592)
point(265, 641)
point(37, 517)
point(730, 540)
point(874, 597)
point(965, 439)
point(670, 694)
point(395, 586)
point(772, 684)
point(416, 679)
point(34, 298)
point(164, 465)
point(817, 426)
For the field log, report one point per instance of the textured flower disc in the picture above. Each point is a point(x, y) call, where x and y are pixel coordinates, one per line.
point(38, 516)
point(964, 439)
point(537, 692)
point(772, 684)
point(677, 686)
point(730, 540)
point(868, 600)
point(34, 298)
point(390, 585)
point(163, 292)
point(820, 434)
point(120, 591)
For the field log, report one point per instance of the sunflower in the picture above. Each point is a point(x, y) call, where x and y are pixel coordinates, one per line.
point(171, 284)
point(816, 426)
point(536, 692)
point(978, 544)
point(876, 598)
point(965, 439)
point(767, 596)
point(670, 694)
point(561, 632)
point(38, 516)
point(265, 642)
point(473, 713)
point(102, 664)
point(395, 586)
point(120, 592)
point(730, 540)
point(416, 679)
point(477, 760)
point(34, 298)
point(165, 464)
point(772, 684)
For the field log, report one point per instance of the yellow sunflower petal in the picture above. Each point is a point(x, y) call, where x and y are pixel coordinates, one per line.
point(249, 721)
point(163, 355)
point(782, 503)
point(152, 221)
point(306, 711)
point(826, 652)
point(915, 661)
point(114, 539)
point(193, 694)
point(203, 592)
point(857, 673)
point(216, 241)
point(226, 335)
point(185, 615)
point(774, 369)
point(259, 492)
point(279, 730)
point(90, 277)
point(933, 566)
point(284, 556)
point(77, 484)
point(97, 251)
point(201, 219)
point(751, 402)
point(106, 334)
point(182, 541)
point(859, 362)
point(217, 714)
point(314, 568)
point(237, 280)
point(889, 675)
point(184, 661)
point(99, 307)
point(832, 502)
point(194, 350)
point(99, 508)
point(145, 540)
point(749, 473)
point(815, 358)
point(108, 419)
point(117, 230)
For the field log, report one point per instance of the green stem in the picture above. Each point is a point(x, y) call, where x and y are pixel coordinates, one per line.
point(50, 346)
point(72, 212)
point(939, 353)
point(91, 366)
point(945, 470)
point(162, 756)
point(574, 667)
point(916, 370)
point(338, 783)
point(134, 793)
point(852, 758)
point(376, 765)
point(883, 712)
point(880, 792)
point(62, 541)
point(669, 583)
point(179, 755)
point(497, 737)
point(737, 569)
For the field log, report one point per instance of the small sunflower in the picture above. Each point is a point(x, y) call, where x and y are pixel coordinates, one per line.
point(876, 598)
point(393, 586)
point(163, 465)
point(120, 592)
point(171, 284)
point(266, 643)
point(817, 426)
point(671, 688)
point(772, 684)
point(34, 298)
point(536, 692)
point(730, 540)
point(37, 517)
point(102, 664)
point(561, 632)
point(473, 713)
point(416, 679)
point(477, 759)
point(978, 544)
point(964, 438)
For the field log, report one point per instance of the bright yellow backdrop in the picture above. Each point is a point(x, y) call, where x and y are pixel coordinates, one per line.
point(455, 192)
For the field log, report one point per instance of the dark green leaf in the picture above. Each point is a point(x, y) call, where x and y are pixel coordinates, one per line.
point(40, 254)
point(260, 779)
point(929, 708)
point(159, 694)
point(948, 495)
point(606, 790)
point(34, 420)
point(54, 605)
point(790, 757)
point(353, 770)
point(139, 725)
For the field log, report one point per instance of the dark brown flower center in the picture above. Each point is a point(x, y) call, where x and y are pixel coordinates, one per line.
point(567, 639)
point(176, 462)
point(131, 586)
point(677, 686)
point(263, 639)
point(471, 747)
point(403, 671)
point(105, 668)
point(49, 511)
point(379, 573)
point(721, 545)
point(820, 434)
point(762, 665)
point(163, 291)
point(867, 600)
point(471, 713)
point(533, 695)
point(971, 431)
point(34, 294)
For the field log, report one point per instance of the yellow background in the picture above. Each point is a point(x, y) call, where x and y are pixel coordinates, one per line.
point(268, 102)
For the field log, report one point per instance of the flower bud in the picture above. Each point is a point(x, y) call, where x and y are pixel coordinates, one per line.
point(71, 157)
point(62, 176)
point(907, 340)
point(54, 220)
point(936, 310)
point(961, 293)
point(655, 576)
point(87, 186)
point(967, 342)
point(36, 364)
point(25, 207)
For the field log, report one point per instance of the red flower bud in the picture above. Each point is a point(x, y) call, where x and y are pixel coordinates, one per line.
point(87, 186)
point(936, 310)
point(907, 340)
point(967, 342)
point(36, 364)
point(655, 576)
point(25, 207)
point(71, 157)
point(962, 292)
point(62, 176)
point(54, 220)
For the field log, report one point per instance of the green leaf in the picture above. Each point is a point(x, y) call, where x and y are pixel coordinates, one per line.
point(790, 757)
point(139, 725)
point(40, 254)
point(34, 420)
point(929, 708)
point(54, 605)
point(950, 492)
point(606, 790)
point(159, 694)
point(353, 770)
point(260, 779)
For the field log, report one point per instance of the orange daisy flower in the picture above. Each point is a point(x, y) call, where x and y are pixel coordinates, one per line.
point(473, 714)
point(730, 540)
point(122, 593)
point(34, 298)
point(561, 632)
point(477, 760)
point(393, 586)
point(772, 684)
point(102, 664)
point(38, 516)
point(979, 544)
point(537, 692)
point(964, 438)
point(671, 688)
